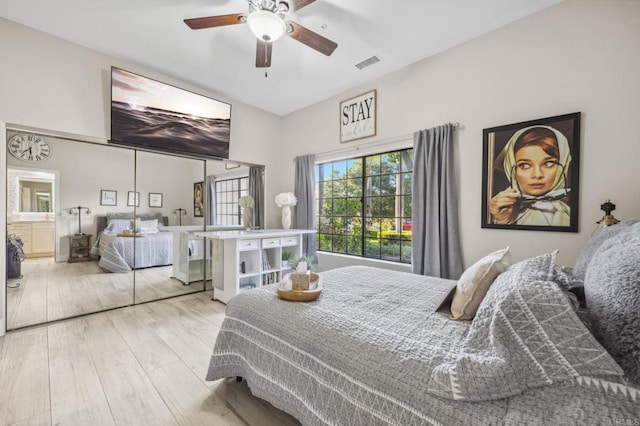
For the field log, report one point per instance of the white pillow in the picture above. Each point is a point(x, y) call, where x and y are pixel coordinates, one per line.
point(137, 224)
point(475, 282)
point(146, 226)
point(149, 224)
point(117, 225)
point(148, 230)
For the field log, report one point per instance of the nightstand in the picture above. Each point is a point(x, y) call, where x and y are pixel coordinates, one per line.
point(79, 247)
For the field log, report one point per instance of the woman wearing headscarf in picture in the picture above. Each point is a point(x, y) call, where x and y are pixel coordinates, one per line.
point(536, 160)
point(198, 202)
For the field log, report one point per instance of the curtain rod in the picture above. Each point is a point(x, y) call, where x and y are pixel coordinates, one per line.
point(240, 173)
point(380, 142)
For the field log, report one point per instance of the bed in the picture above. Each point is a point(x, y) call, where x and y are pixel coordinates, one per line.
point(372, 349)
point(153, 246)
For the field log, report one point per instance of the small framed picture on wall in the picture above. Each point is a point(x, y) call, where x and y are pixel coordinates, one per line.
point(108, 197)
point(198, 199)
point(155, 199)
point(133, 199)
point(358, 117)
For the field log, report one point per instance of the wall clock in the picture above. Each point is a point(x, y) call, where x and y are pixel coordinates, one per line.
point(29, 148)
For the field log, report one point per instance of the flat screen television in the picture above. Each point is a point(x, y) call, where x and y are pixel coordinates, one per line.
point(156, 116)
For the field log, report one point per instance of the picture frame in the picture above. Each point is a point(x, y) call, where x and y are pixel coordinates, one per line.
point(133, 199)
point(358, 117)
point(155, 199)
point(108, 197)
point(198, 199)
point(530, 175)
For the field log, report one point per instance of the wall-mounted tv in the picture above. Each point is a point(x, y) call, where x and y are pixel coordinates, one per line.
point(152, 115)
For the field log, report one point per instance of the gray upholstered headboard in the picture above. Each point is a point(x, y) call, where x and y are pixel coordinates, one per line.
point(101, 220)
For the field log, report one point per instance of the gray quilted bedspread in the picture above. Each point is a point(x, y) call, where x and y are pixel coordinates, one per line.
point(372, 350)
point(117, 253)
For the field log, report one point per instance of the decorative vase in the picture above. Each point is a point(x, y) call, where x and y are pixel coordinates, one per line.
point(286, 217)
point(246, 218)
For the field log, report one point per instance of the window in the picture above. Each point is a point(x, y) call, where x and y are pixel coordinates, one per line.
point(228, 192)
point(364, 206)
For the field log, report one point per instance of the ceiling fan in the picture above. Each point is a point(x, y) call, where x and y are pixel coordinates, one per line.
point(266, 19)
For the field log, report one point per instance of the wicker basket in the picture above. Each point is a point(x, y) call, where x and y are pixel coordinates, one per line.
point(285, 292)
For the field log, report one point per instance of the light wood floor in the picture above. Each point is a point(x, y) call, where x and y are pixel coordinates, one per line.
point(140, 365)
point(50, 291)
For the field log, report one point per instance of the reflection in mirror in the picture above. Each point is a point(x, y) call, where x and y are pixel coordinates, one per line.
point(74, 282)
point(36, 196)
point(85, 252)
point(227, 182)
point(169, 258)
point(30, 190)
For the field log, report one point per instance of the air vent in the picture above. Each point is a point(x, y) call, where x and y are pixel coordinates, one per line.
point(368, 62)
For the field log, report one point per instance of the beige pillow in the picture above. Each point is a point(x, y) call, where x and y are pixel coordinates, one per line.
point(475, 282)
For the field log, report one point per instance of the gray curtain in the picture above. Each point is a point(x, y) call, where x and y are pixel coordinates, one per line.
point(256, 190)
point(210, 214)
point(306, 207)
point(434, 214)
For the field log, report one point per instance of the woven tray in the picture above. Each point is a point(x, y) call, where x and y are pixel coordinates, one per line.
point(315, 288)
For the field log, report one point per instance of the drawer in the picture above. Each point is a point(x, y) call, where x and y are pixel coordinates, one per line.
point(270, 242)
point(244, 245)
point(43, 225)
point(16, 228)
point(289, 241)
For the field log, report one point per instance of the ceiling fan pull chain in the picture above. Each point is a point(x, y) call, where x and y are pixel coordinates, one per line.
point(266, 48)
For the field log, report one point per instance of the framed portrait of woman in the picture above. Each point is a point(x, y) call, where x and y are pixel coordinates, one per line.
point(198, 199)
point(530, 174)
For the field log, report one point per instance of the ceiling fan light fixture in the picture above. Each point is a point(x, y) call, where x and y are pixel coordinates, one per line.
point(266, 25)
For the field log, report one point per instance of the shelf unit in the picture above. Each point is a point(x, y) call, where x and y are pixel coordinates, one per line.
point(79, 247)
point(251, 260)
point(189, 258)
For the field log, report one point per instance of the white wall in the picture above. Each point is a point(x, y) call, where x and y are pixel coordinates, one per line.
point(173, 177)
point(576, 56)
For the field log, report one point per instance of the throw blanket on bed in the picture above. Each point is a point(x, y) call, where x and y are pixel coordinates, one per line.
point(117, 253)
point(372, 347)
point(525, 335)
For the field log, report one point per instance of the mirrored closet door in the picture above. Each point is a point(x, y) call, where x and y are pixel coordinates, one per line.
point(100, 226)
point(56, 225)
point(170, 259)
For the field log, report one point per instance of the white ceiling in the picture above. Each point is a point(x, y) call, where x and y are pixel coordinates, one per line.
point(151, 33)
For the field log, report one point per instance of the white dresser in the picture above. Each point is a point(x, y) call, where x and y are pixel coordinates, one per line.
point(242, 260)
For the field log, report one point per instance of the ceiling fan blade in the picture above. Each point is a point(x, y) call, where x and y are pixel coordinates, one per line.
point(311, 39)
point(263, 54)
point(299, 4)
point(215, 21)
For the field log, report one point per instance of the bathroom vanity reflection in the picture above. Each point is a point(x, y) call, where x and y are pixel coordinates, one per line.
point(30, 206)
